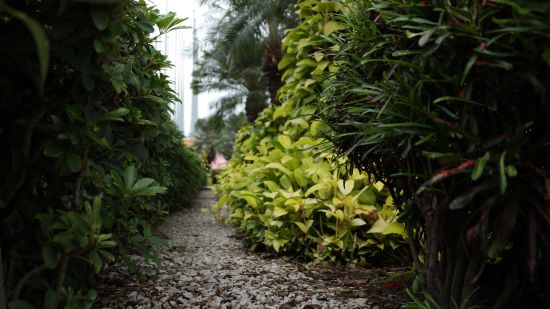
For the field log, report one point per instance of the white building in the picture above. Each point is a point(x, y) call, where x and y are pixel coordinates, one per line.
point(178, 46)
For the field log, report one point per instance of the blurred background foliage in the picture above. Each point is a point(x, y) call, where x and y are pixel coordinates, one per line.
point(89, 155)
point(214, 135)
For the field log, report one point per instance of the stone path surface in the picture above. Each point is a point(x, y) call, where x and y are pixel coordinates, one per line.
point(206, 265)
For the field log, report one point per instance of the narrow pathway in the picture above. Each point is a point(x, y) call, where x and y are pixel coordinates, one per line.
point(206, 265)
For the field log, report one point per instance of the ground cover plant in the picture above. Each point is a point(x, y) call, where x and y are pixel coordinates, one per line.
point(446, 103)
point(286, 192)
point(89, 154)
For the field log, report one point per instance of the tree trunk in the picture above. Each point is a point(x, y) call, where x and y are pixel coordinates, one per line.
point(254, 105)
point(272, 56)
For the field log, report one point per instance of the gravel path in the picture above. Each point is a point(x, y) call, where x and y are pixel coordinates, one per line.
point(206, 265)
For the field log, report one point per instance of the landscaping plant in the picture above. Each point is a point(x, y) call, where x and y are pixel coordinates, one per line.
point(286, 192)
point(446, 103)
point(89, 154)
point(243, 51)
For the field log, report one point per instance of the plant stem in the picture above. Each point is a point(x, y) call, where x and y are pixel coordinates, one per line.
point(79, 180)
point(414, 249)
point(26, 277)
point(61, 270)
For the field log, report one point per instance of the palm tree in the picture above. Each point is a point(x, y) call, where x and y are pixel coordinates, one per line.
point(244, 54)
point(213, 135)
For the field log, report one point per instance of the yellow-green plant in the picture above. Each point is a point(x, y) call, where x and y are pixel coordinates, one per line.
point(284, 190)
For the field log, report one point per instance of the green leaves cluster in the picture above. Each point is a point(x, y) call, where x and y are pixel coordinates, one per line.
point(286, 192)
point(446, 102)
point(89, 154)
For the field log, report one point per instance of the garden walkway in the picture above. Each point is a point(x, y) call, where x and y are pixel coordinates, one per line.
point(207, 265)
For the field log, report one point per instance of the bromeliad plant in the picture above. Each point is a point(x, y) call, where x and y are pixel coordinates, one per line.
point(446, 102)
point(285, 191)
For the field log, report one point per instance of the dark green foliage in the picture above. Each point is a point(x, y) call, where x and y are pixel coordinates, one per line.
point(178, 167)
point(88, 152)
point(447, 103)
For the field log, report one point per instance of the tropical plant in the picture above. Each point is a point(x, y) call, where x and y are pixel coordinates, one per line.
point(286, 192)
point(445, 102)
point(239, 75)
point(214, 135)
point(244, 53)
point(87, 144)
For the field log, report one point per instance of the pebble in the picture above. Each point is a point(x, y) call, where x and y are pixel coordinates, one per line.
point(206, 265)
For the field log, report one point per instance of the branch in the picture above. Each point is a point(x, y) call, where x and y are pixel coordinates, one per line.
point(80, 178)
point(413, 248)
point(61, 270)
point(26, 277)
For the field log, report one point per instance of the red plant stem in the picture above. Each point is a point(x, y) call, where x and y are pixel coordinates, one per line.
point(445, 173)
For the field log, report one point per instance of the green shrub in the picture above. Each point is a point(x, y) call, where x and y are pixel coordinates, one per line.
point(446, 102)
point(286, 192)
point(87, 144)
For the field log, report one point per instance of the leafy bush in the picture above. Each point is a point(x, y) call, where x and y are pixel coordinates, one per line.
point(287, 193)
point(177, 167)
point(87, 144)
point(446, 102)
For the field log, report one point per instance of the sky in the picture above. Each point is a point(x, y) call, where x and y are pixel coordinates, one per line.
point(178, 46)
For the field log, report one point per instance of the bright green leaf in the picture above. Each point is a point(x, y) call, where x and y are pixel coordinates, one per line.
point(285, 141)
point(367, 197)
point(304, 227)
point(251, 201)
point(511, 170)
point(358, 222)
point(378, 227)
point(280, 167)
point(345, 187)
point(332, 26)
point(394, 228)
point(278, 212)
point(480, 166)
